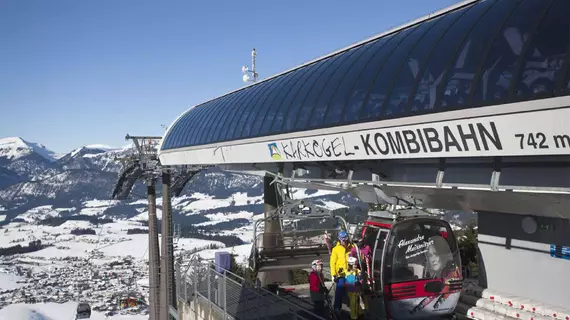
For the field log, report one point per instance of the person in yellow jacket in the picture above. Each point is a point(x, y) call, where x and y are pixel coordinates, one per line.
point(339, 265)
point(353, 287)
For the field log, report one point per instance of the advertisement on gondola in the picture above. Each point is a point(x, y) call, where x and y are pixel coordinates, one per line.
point(425, 275)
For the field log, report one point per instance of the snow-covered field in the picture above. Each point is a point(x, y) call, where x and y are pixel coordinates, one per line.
point(8, 281)
point(54, 311)
point(41, 284)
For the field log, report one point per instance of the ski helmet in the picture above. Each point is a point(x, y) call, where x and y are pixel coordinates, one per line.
point(351, 261)
point(342, 236)
point(316, 263)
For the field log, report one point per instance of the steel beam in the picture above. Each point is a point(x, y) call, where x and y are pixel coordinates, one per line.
point(272, 229)
point(153, 254)
point(168, 289)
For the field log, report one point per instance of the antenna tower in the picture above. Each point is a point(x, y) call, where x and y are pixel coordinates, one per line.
point(247, 72)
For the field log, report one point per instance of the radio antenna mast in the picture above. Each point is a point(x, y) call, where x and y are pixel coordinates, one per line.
point(246, 71)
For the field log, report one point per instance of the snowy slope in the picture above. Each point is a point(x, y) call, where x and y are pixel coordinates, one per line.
point(54, 311)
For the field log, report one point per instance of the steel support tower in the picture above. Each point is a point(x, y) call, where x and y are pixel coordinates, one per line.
point(167, 287)
point(153, 253)
point(143, 164)
point(272, 228)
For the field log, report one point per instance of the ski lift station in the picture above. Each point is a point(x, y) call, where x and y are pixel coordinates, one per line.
point(467, 108)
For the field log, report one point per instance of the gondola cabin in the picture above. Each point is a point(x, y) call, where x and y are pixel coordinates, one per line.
point(130, 302)
point(83, 311)
point(414, 263)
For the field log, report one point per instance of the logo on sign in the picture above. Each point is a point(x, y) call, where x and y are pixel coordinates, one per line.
point(274, 151)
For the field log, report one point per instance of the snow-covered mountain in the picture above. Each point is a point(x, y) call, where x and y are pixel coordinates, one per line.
point(16, 147)
point(89, 173)
point(31, 177)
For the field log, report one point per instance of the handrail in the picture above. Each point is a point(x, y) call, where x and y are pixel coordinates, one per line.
point(231, 277)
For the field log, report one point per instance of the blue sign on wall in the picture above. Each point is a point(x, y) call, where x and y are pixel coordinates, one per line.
point(560, 252)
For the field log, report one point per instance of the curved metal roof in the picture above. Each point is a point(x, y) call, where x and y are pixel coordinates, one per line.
point(481, 53)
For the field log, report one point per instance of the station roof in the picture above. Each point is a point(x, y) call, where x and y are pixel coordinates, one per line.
point(477, 53)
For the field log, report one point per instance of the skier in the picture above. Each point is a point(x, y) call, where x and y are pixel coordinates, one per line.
point(339, 256)
point(353, 287)
point(317, 287)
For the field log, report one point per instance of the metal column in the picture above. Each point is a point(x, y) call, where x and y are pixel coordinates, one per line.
point(153, 254)
point(271, 201)
point(167, 286)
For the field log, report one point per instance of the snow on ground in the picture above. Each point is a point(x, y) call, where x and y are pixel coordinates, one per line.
point(222, 217)
point(54, 311)
point(42, 212)
point(198, 202)
point(100, 203)
point(242, 253)
point(331, 205)
point(245, 233)
point(300, 193)
point(8, 281)
point(113, 240)
point(143, 215)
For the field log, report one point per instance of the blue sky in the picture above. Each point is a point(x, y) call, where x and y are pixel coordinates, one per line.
point(74, 73)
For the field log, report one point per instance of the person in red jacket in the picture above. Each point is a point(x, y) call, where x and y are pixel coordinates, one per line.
point(317, 287)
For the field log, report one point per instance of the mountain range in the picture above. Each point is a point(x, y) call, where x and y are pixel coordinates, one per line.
point(36, 182)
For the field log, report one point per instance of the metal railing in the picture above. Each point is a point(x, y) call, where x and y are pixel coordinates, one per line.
point(221, 294)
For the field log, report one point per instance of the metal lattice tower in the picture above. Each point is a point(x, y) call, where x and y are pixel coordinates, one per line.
point(143, 164)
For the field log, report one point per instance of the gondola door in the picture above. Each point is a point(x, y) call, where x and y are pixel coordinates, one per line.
point(421, 269)
point(374, 235)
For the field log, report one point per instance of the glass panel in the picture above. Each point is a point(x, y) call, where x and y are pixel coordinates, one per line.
point(229, 112)
point(180, 129)
point(258, 106)
point(407, 75)
point(499, 66)
point(425, 96)
point(313, 96)
point(316, 70)
point(201, 123)
point(170, 141)
point(188, 126)
point(260, 118)
point(337, 103)
point(245, 109)
point(209, 119)
point(458, 79)
point(365, 80)
point(283, 107)
point(545, 58)
point(373, 106)
point(421, 249)
point(217, 112)
point(567, 83)
point(193, 129)
point(232, 120)
point(320, 109)
point(223, 114)
point(286, 87)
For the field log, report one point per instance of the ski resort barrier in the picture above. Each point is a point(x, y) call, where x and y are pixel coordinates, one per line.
point(204, 293)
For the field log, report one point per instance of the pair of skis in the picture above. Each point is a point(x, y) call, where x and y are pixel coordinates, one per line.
point(333, 314)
